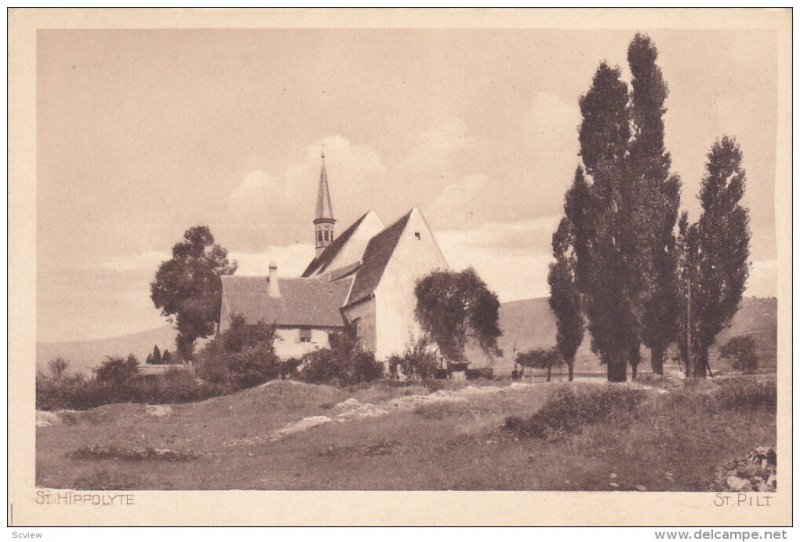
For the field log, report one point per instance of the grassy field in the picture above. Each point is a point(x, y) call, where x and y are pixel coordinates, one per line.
point(288, 435)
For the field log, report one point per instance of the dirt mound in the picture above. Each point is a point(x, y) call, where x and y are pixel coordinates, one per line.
point(45, 418)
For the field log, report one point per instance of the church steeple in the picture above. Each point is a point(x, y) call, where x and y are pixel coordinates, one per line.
point(323, 220)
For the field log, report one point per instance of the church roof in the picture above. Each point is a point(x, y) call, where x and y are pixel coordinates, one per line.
point(376, 256)
point(311, 302)
point(324, 207)
point(322, 261)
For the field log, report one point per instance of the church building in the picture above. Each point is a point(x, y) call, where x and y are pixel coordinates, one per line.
point(363, 277)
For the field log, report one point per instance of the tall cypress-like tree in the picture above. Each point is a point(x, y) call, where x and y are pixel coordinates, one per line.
point(565, 299)
point(716, 264)
point(656, 196)
point(605, 237)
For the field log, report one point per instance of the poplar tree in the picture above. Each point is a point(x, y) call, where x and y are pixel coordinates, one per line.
point(656, 202)
point(565, 299)
point(606, 240)
point(716, 263)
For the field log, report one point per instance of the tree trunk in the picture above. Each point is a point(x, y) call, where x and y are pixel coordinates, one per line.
point(634, 369)
point(700, 363)
point(549, 367)
point(617, 367)
point(657, 359)
point(571, 368)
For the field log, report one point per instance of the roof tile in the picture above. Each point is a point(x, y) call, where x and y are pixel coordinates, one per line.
point(312, 302)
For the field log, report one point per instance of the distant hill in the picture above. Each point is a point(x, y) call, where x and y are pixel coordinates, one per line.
point(87, 355)
point(529, 323)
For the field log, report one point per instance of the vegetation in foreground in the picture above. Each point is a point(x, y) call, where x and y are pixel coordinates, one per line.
point(677, 438)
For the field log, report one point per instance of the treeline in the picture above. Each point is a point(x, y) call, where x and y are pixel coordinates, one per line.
point(629, 267)
point(241, 357)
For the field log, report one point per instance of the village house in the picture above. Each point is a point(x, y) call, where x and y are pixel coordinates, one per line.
point(365, 277)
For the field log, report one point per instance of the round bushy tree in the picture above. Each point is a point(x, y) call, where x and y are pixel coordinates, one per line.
point(187, 288)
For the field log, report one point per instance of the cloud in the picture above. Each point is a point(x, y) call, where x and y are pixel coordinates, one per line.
point(512, 258)
point(275, 209)
point(503, 183)
point(257, 191)
point(357, 178)
point(437, 158)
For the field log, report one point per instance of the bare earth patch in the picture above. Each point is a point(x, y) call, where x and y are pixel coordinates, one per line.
point(287, 435)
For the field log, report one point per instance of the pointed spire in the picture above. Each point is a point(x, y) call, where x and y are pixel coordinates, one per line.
point(324, 207)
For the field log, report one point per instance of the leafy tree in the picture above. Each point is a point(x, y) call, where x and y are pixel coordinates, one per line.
point(453, 307)
point(602, 214)
point(716, 263)
point(117, 371)
point(166, 358)
point(58, 367)
point(187, 288)
point(655, 209)
point(155, 357)
point(565, 299)
point(743, 351)
point(539, 358)
point(149, 359)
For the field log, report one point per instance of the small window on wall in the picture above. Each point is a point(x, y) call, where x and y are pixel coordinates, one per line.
point(305, 335)
point(326, 236)
point(319, 236)
point(418, 235)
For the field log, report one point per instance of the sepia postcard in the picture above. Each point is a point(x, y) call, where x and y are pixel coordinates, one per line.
point(400, 267)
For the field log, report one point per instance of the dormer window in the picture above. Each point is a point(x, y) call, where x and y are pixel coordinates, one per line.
point(305, 335)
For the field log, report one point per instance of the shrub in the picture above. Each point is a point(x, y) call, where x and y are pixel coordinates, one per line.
point(538, 358)
point(78, 393)
point(58, 367)
point(242, 356)
point(319, 367)
point(745, 394)
point(289, 368)
point(743, 351)
point(419, 361)
point(566, 411)
point(117, 371)
point(344, 362)
point(253, 366)
point(483, 372)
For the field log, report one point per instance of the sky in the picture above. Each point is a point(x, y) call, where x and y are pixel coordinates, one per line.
point(142, 134)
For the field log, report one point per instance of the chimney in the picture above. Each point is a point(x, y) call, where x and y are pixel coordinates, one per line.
point(272, 281)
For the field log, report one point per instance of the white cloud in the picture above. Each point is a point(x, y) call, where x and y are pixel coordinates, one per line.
point(266, 208)
point(256, 192)
point(356, 176)
point(512, 258)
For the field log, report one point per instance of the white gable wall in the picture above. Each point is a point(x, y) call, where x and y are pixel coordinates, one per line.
point(395, 301)
point(353, 249)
